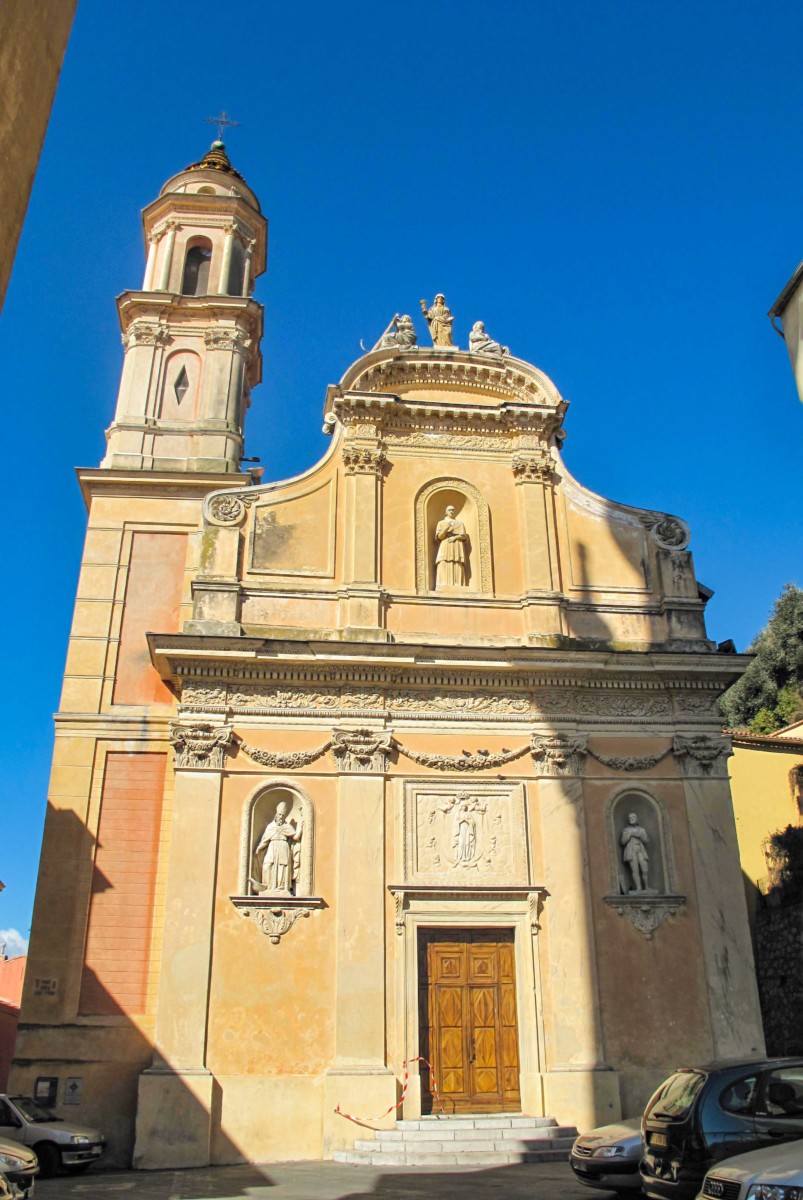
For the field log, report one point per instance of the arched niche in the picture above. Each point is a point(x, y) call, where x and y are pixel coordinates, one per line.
point(259, 810)
point(651, 820)
point(471, 508)
point(181, 385)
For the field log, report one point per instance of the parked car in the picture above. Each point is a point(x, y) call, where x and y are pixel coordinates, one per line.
point(19, 1167)
point(57, 1143)
point(5, 1189)
point(608, 1158)
point(702, 1115)
point(774, 1173)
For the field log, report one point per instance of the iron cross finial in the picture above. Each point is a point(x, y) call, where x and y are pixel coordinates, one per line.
point(223, 121)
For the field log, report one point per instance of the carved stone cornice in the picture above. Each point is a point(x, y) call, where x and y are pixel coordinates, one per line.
point(362, 751)
point(403, 893)
point(201, 744)
point(645, 912)
point(509, 380)
point(276, 915)
point(533, 468)
point(702, 754)
point(359, 460)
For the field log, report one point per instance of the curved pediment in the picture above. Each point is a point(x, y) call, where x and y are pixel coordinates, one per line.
point(433, 372)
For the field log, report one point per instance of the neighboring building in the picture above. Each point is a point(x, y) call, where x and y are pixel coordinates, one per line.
point(788, 309)
point(33, 38)
point(767, 784)
point(12, 973)
point(363, 765)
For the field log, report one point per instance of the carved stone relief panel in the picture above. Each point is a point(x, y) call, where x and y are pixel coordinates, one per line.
point(461, 834)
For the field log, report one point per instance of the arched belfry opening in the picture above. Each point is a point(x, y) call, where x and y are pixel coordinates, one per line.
point(453, 539)
point(197, 265)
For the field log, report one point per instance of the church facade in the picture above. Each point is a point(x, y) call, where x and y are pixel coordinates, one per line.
point(414, 758)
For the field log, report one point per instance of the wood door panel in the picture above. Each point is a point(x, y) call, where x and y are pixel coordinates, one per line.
point(467, 1010)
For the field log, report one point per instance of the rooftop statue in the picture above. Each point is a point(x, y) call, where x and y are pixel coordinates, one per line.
point(480, 343)
point(440, 320)
point(400, 334)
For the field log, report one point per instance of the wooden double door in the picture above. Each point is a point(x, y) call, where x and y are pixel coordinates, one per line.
point(467, 1019)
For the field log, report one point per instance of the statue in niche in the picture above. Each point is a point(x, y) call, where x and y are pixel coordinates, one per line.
point(282, 861)
point(439, 319)
point(399, 335)
point(480, 343)
point(450, 563)
point(634, 841)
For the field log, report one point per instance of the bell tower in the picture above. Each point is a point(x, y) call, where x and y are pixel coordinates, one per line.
point(192, 334)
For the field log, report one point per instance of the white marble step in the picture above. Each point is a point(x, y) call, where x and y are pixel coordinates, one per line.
point(464, 1141)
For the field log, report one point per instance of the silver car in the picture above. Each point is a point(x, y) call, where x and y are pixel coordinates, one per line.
point(608, 1157)
point(772, 1173)
point(56, 1142)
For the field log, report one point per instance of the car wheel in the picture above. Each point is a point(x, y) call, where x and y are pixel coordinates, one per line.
point(49, 1158)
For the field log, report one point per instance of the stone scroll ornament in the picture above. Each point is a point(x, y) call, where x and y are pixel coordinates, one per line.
point(201, 744)
point(228, 508)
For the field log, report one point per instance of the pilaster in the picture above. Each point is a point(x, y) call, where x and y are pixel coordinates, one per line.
point(733, 1002)
point(173, 1126)
point(359, 1081)
point(576, 1081)
point(534, 474)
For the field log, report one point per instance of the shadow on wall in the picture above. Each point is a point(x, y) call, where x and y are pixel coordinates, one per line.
point(73, 1026)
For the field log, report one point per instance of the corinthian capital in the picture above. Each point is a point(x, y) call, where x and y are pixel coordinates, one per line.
point(362, 750)
point(558, 754)
point(201, 743)
point(701, 753)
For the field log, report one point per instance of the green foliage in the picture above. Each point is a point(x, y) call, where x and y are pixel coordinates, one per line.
point(784, 851)
point(771, 689)
point(765, 721)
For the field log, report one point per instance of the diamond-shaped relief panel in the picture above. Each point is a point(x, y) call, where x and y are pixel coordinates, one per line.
point(182, 385)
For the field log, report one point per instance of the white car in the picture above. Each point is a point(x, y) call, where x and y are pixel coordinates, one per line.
point(772, 1173)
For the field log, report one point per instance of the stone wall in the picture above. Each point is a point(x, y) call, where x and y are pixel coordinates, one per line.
point(779, 963)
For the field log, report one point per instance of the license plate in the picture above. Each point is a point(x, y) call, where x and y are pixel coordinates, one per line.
point(96, 1150)
point(660, 1140)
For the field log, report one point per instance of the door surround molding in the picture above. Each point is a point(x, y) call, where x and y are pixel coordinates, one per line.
point(489, 908)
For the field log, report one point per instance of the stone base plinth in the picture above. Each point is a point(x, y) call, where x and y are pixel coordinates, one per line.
point(365, 1094)
point(173, 1120)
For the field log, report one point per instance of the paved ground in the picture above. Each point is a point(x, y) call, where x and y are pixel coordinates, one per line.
point(324, 1181)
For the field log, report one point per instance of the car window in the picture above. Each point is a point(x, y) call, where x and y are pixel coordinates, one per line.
point(6, 1115)
point(738, 1097)
point(782, 1093)
point(31, 1110)
point(676, 1097)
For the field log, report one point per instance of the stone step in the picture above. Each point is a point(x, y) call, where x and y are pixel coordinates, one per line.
point(495, 1121)
point(457, 1158)
point(475, 1145)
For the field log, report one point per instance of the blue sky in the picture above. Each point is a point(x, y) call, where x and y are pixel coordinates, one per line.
point(614, 188)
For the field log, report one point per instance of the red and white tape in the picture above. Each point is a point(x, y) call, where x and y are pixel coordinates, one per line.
point(433, 1085)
